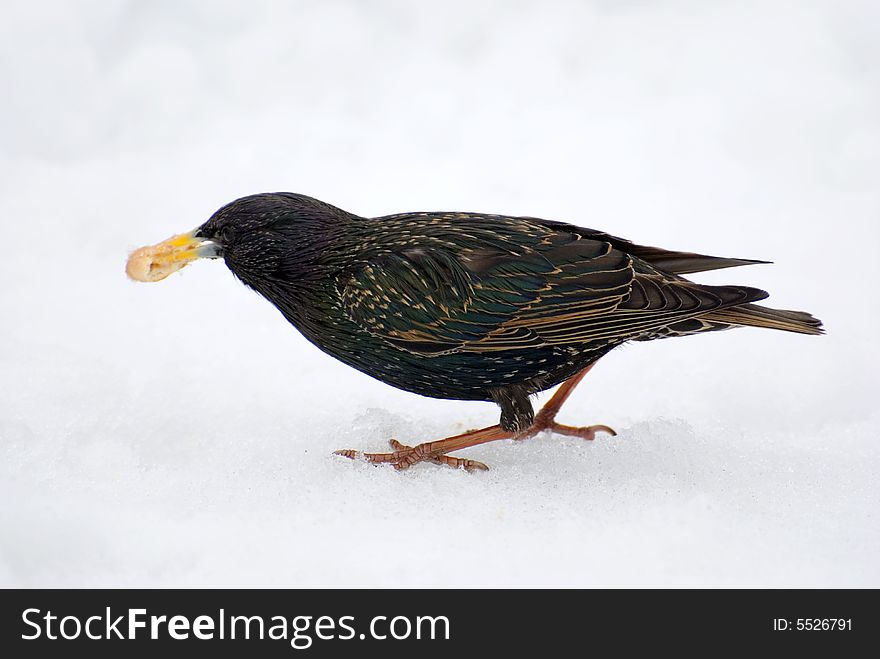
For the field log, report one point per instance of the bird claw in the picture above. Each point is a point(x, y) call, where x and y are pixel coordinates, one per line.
point(405, 456)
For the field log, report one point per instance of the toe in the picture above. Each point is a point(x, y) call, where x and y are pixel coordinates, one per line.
point(462, 463)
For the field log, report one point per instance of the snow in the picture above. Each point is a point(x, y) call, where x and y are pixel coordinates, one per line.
point(181, 433)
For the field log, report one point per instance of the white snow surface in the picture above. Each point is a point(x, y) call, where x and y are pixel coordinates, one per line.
point(181, 433)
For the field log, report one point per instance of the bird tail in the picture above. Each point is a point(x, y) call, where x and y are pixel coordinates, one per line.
point(754, 315)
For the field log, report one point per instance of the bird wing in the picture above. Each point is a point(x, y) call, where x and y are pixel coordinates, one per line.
point(561, 290)
point(669, 261)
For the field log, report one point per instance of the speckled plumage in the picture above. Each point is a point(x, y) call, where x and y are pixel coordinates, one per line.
point(472, 306)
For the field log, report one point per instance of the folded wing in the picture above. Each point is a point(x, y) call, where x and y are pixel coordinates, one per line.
point(562, 288)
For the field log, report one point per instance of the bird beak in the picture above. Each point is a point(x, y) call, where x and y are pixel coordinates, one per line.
point(155, 262)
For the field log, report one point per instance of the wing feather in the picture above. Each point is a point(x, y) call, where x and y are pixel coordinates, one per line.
point(562, 289)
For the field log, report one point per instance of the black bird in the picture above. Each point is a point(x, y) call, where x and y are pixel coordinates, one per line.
point(464, 306)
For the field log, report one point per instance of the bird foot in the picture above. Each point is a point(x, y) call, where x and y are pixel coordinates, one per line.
point(584, 432)
point(404, 457)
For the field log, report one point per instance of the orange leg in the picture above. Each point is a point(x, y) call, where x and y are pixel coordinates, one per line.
point(404, 457)
point(545, 418)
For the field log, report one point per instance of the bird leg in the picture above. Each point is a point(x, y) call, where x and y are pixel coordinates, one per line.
point(545, 418)
point(404, 457)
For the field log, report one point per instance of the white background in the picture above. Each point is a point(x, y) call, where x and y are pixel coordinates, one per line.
point(181, 433)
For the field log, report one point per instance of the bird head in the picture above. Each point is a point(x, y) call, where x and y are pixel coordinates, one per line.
point(252, 234)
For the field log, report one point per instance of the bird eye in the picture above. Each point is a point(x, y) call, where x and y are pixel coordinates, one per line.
point(227, 233)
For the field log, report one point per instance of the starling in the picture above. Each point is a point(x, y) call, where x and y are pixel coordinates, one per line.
point(464, 306)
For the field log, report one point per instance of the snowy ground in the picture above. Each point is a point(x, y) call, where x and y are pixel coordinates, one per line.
point(181, 433)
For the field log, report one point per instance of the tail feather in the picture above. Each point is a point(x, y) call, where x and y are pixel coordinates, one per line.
point(754, 315)
point(684, 263)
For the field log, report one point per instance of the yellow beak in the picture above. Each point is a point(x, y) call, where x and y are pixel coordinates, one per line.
point(155, 262)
